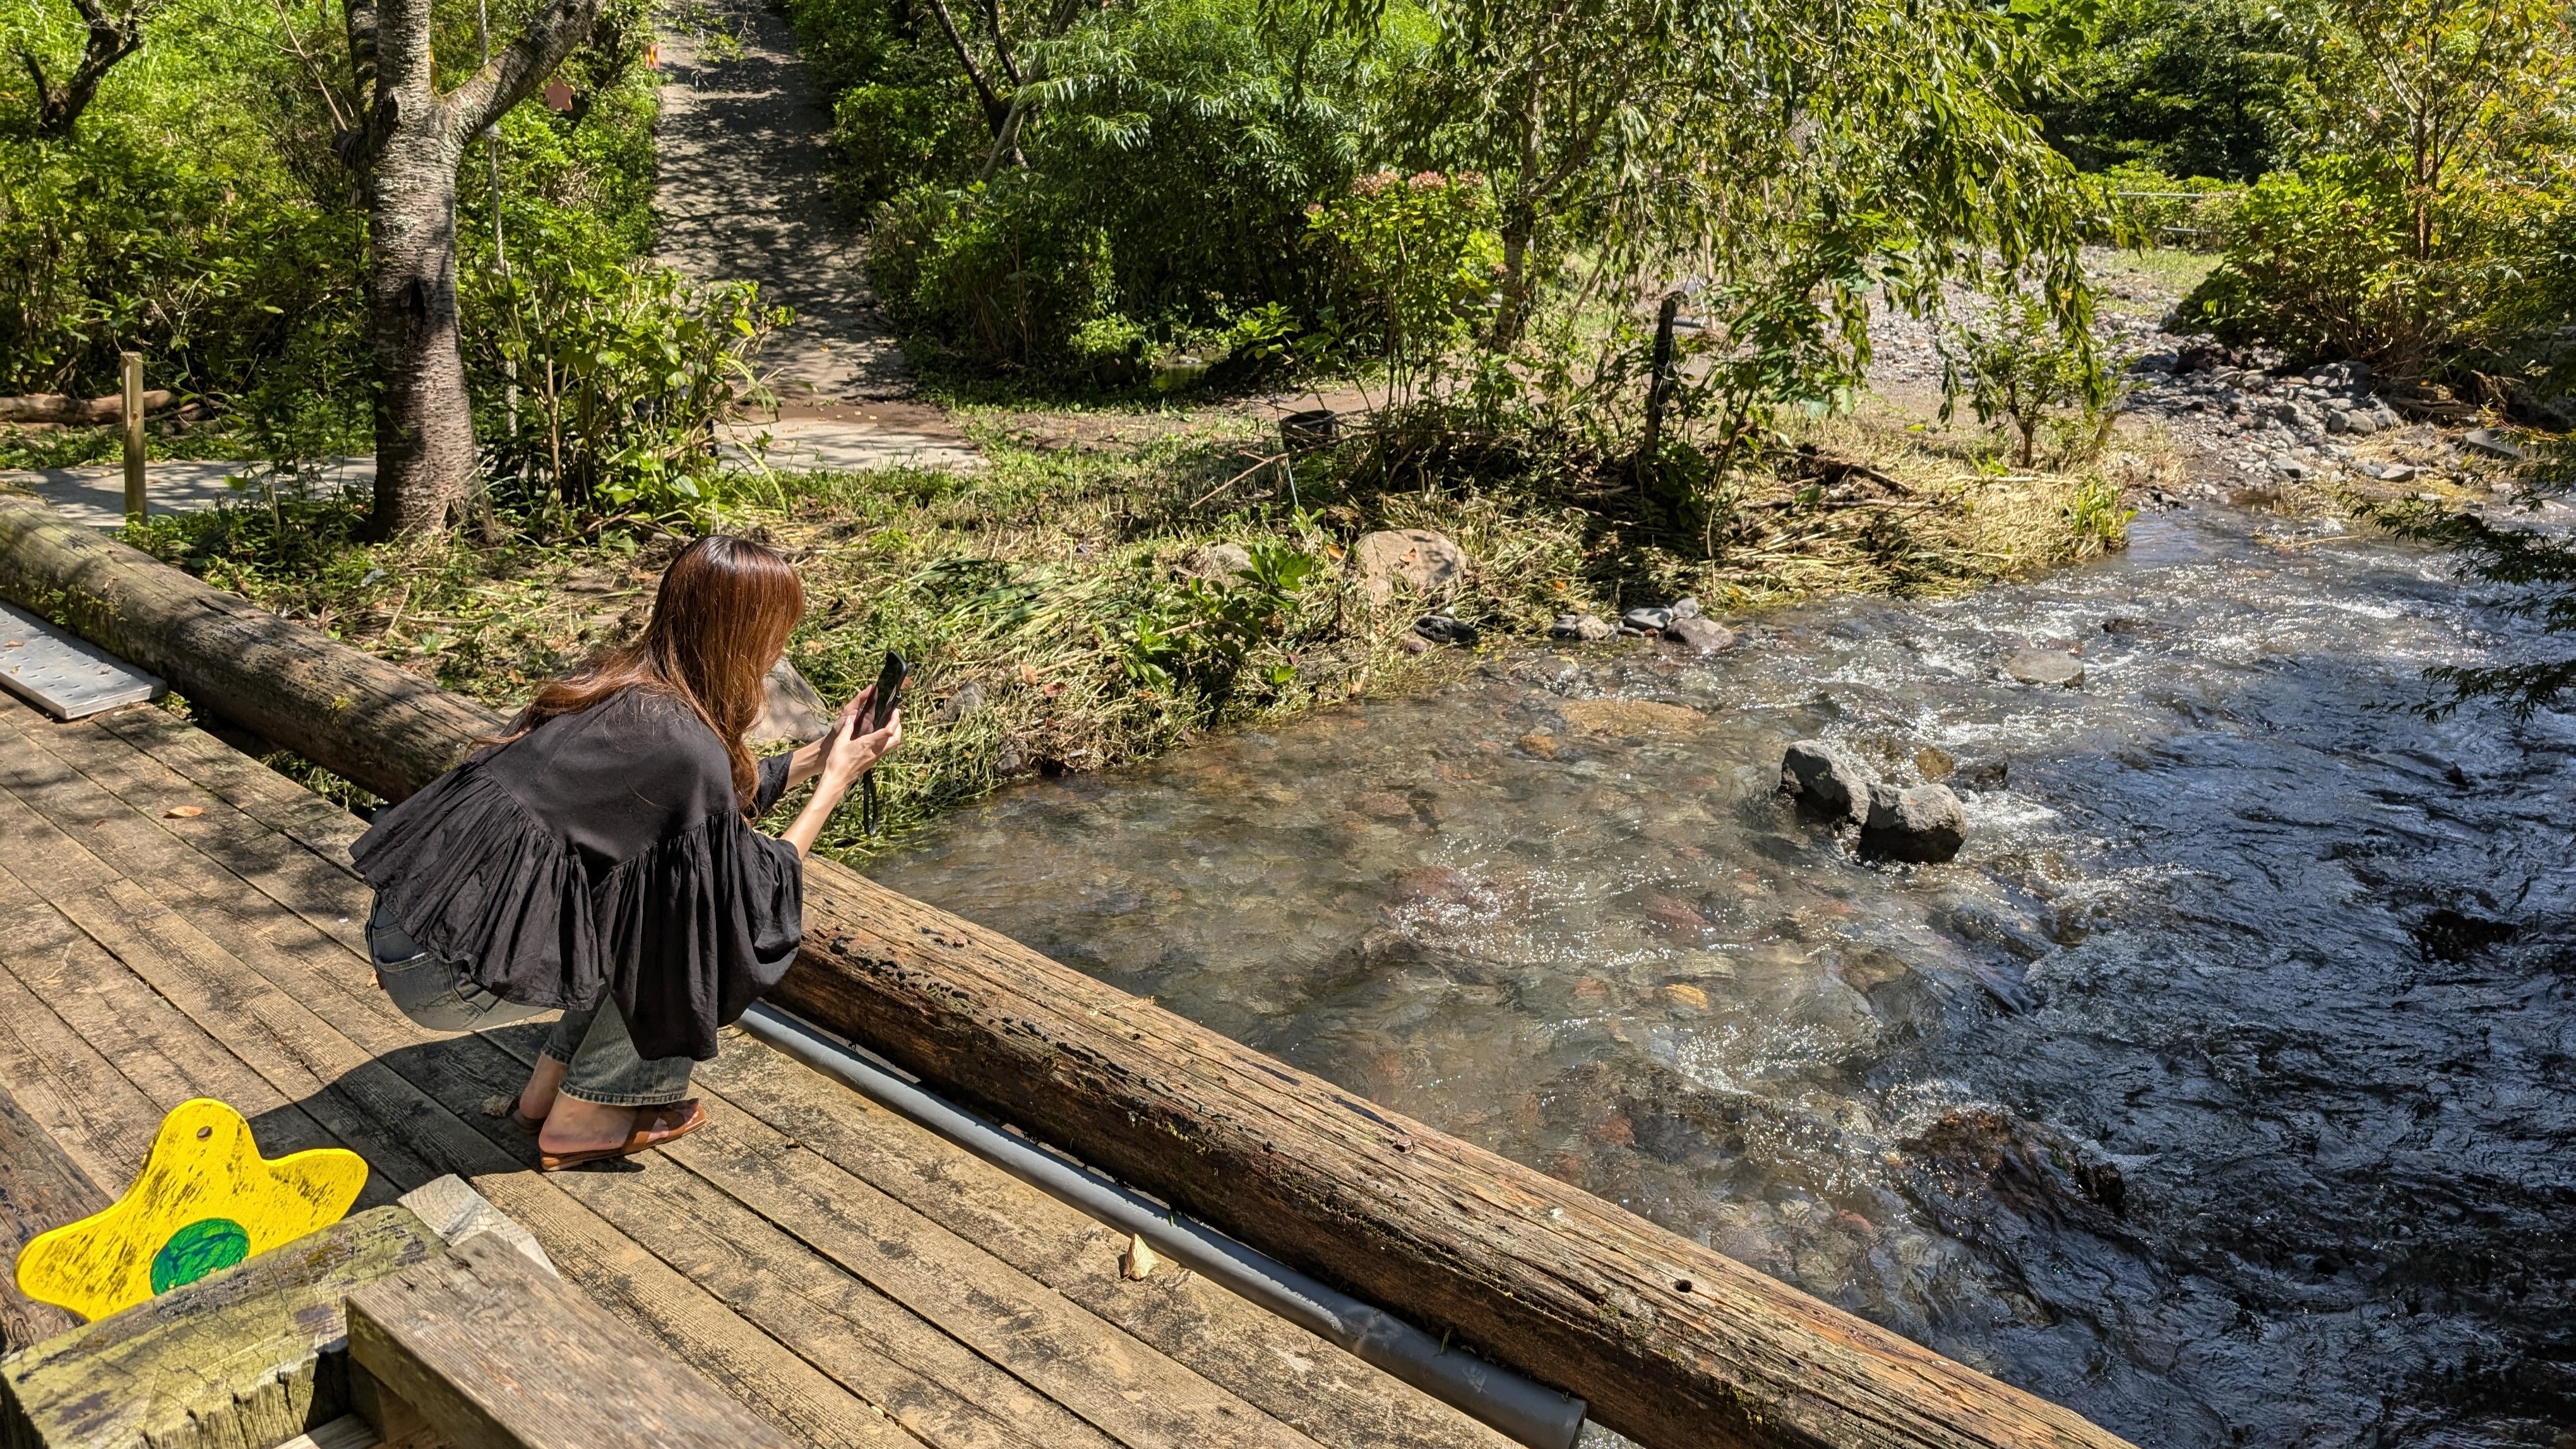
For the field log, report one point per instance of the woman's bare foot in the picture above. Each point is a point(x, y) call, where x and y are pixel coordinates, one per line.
point(537, 1098)
point(573, 1125)
point(578, 1131)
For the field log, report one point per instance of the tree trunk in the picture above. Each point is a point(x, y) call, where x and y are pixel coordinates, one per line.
point(405, 147)
point(425, 459)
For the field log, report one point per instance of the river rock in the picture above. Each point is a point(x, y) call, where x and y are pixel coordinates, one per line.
point(2492, 443)
point(1686, 607)
point(1827, 779)
point(1218, 563)
point(1417, 558)
point(1925, 823)
point(789, 708)
point(968, 699)
point(1587, 628)
point(1442, 629)
point(1704, 636)
point(2044, 666)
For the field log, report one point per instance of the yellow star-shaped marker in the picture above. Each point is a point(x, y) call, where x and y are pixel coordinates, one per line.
point(206, 1200)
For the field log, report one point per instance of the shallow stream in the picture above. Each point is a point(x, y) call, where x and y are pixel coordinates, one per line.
point(2223, 1089)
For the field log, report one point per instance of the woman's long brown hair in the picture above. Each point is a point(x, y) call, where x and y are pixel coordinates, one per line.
point(720, 618)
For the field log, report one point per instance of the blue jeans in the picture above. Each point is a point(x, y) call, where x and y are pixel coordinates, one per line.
point(599, 1058)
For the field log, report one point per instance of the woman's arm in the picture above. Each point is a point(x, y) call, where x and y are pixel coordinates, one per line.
point(844, 759)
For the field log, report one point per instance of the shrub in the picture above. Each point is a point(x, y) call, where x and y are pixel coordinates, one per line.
point(2142, 206)
point(1005, 274)
point(622, 374)
point(1414, 262)
point(2321, 263)
point(2019, 363)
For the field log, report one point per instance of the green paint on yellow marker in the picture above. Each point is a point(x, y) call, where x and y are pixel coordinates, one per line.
point(205, 1246)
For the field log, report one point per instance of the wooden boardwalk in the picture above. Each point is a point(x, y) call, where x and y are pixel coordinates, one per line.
point(177, 921)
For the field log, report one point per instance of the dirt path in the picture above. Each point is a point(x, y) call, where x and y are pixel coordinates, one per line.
point(743, 194)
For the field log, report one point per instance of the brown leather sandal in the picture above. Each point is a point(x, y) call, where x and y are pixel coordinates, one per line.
point(654, 1126)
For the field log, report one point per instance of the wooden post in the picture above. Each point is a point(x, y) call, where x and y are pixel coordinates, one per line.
point(1659, 387)
point(133, 436)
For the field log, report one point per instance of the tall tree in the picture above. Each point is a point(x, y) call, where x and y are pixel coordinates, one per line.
point(404, 141)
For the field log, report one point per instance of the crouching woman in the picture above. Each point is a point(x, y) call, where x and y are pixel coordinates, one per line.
point(601, 860)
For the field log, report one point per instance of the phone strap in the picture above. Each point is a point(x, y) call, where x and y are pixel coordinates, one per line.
point(868, 821)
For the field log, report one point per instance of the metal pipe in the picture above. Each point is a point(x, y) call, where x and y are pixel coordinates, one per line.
point(1531, 1413)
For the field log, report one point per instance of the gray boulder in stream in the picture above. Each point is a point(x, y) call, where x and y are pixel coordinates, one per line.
point(1826, 779)
point(1924, 823)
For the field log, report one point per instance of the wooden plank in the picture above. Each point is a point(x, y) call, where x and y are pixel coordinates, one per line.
point(40, 1188)
point(86, 775)
point(205, 1011)
point(1272, 1364)
point(98, 1115)
point(1125, 1388)
point(240, 1357)
point(934, 1387)
point(240, 781)
point(364, 1103)
point(497, 1355)
point(329, 897)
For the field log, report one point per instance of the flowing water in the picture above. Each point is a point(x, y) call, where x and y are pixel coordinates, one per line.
point(2224, 1088)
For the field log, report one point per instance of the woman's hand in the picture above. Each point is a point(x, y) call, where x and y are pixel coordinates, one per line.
point(807, 762)
point(847, 756)
point(841, 758)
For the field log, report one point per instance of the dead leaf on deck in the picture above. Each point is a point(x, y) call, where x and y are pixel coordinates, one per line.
point(183, 812)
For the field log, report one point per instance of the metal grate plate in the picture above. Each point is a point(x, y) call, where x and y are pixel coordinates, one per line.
point(66, 677)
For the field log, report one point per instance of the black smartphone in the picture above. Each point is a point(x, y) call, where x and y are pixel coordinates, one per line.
point(889, 695)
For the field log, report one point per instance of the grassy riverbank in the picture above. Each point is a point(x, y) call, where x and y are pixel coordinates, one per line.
point(1047, 602)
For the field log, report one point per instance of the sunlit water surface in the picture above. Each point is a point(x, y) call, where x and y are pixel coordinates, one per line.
point(2223, 1089)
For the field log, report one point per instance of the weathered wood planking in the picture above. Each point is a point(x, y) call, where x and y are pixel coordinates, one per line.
point(732, 1241)
point(1673, 1344)
point(497, 1355)
point(245, 1356)
point(40, 1188)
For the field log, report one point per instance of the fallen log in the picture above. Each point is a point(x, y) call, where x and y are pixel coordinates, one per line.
point(1673, 1344)
point(54, 407)
point(350, 713)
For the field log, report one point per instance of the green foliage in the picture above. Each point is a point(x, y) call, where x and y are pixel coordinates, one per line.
point(2143, 207)
point(623, 374)
point(2417, 232)
point(1005, 273)
point(1201, 633)
point(2217, 88)
point(2322, 262)
point(889, 136)
point(1161, 177)
point(1413, 262)
point(199, 215)
point(2019, 364)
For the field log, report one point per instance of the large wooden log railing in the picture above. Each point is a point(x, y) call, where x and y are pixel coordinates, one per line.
point(1675, 1345)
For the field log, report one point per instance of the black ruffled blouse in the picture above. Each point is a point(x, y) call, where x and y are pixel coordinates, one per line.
point(602, 853)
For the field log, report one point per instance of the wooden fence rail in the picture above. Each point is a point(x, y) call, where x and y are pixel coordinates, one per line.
point(1675, 1345)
